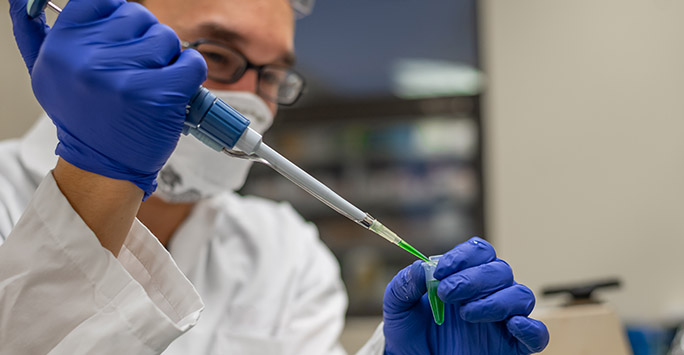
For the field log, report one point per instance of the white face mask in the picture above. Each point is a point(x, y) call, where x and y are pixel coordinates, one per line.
point(194, 171)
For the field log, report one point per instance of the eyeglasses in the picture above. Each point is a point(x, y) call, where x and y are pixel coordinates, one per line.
point(226, 65)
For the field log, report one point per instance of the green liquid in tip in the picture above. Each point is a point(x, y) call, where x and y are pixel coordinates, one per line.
point(386, 233)
point(412, 250)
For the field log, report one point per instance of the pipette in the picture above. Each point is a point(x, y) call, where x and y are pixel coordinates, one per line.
point(222, 128)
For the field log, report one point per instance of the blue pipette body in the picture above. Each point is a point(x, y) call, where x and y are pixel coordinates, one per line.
point(213, 121)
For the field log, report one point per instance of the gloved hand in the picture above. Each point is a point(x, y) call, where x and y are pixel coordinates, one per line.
point(115, 83)
point(485, 310)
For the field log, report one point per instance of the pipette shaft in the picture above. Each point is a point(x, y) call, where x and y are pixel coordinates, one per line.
point(251, 143)
point(324, 194)
point(317, 189)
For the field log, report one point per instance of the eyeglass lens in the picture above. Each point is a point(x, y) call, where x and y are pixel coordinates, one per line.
point(228, 66)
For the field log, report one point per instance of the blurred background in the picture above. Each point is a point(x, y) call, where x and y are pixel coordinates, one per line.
point(554, 129)
point(391, 121)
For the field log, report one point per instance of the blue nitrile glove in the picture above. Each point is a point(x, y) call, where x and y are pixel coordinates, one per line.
point(115, 83)
point(485, 310)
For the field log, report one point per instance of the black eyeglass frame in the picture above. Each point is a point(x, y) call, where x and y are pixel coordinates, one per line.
point(248, 65)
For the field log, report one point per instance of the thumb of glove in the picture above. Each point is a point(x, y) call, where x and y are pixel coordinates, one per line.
point(405, 289)
point(531, 334)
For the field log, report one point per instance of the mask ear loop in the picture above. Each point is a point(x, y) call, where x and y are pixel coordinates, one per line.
point(234, 153)
point(302, 8)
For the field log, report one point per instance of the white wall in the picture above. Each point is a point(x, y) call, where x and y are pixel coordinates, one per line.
point(18, 107)
point(585, 145)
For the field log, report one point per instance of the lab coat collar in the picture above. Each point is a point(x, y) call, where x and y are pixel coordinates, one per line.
point(193, 235)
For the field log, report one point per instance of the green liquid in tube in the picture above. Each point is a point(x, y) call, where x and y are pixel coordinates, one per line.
point(436, 304)
point(386, 233)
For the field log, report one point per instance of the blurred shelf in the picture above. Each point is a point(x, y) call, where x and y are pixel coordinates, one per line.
point(415, 165)
point(370, 162)
point(433, 139)
point(317, 210)
point(378, 109)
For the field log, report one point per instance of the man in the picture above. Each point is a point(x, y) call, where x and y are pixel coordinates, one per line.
point(115, 84)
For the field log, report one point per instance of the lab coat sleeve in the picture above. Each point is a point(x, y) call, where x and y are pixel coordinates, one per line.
point(376, 344)
point(320, 301)
point(61, 292)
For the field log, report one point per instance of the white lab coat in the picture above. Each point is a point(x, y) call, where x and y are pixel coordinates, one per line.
point(268, 284)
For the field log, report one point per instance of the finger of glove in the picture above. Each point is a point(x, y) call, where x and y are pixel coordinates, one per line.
point(129, 21)
point(475, 282)
point(405, 289)
point(176, 82)
point(516, 300)
point(158, 47)
point(187, 73)
point(29, 33)
point(474, 252)
point(533, 336)
point(84, 11)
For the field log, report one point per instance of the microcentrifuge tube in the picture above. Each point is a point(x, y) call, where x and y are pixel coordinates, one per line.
point(436, 304)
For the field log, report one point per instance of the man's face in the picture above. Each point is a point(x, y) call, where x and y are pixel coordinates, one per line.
point(261, 30)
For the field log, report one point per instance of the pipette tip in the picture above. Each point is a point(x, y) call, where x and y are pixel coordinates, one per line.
point(393, 238)
point(412, 250)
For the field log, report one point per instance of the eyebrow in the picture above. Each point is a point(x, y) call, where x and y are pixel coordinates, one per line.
point(222, 34)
